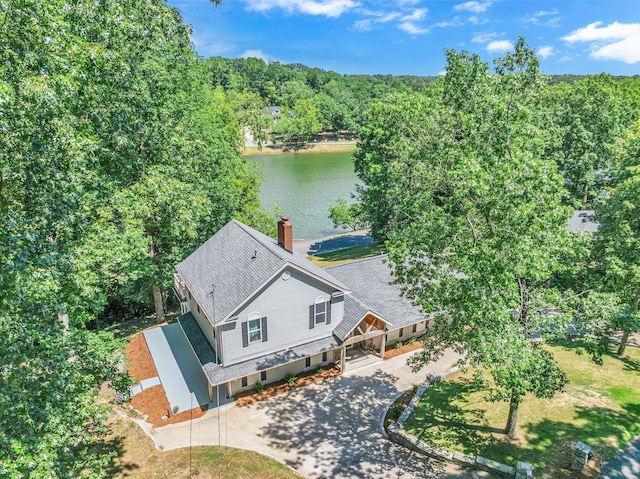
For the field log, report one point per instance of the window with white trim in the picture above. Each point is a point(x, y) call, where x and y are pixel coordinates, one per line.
point(255, 329)
point(320, 310)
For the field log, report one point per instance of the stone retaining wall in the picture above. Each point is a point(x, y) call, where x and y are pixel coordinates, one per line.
point(398, 435)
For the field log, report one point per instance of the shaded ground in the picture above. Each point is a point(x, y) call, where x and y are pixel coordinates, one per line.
point(330, 429)
point(626, 464)
point(601, 407)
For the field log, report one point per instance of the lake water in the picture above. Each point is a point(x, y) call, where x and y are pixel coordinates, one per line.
point(304, 185)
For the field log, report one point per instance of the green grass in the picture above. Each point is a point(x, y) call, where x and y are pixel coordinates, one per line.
point(601, 407)
point(347, 255)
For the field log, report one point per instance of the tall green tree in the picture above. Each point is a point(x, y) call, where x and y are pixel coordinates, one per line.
point(587, 116)
point(617, 247)
point(458, 185)
point(86, 92)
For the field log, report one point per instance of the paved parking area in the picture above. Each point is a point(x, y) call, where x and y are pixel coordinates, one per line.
point(329, 429)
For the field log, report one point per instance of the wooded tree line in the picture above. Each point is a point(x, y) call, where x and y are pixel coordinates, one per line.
point(471, 184)
point(118, 158)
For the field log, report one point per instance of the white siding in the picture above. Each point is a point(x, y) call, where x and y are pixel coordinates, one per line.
point(285, 304)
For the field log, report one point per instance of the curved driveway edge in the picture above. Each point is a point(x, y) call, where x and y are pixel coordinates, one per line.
point(626, 464)
point(328, 429)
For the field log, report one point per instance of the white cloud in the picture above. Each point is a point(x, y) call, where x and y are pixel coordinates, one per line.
point(455, 22)
point(255, 54)
point(407, 2)
point(484, 37)
point(362, 25)
point(475, 7)
point(208, 46)
point(388, 17)
point(618, 41)
point(499, 46)
point(328, 8)
point(477, 21)
point(412, 28)
point(543, 18)
point(545, 51)
point(417, 15)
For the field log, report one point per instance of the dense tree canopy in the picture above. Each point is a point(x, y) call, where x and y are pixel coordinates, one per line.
point(117, 158)
point(472, 212)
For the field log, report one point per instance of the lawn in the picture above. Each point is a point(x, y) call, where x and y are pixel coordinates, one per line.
point(346, 255)
point(138, 458)
point(600, 407)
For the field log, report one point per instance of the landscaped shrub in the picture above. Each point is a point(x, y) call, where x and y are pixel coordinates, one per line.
point(258, 387)
point(411, 340)
point(398, 344)
point(290, 378)
point(319, 370)
point(396, 410)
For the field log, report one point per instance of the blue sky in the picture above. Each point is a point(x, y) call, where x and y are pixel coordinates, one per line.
point(408, 37)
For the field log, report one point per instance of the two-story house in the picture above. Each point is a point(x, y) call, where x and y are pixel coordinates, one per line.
point(254, 310)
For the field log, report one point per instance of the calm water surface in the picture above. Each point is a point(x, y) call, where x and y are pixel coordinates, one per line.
point(304, 185)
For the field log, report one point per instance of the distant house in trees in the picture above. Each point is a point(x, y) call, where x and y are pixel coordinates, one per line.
point(582, 222)
point(254, 310)
point(274, 111)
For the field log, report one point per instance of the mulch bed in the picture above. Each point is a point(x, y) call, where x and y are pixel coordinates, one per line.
point(153, 403)
point(141, 364)
point(245, 398)
point(403, 401)
point(391, 351)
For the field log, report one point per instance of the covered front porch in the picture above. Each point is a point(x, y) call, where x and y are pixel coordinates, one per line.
point(366, 339)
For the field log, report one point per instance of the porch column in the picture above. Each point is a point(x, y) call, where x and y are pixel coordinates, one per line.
point(343, 357)
point(210, 391)
point(383, 344)
point(229, 391)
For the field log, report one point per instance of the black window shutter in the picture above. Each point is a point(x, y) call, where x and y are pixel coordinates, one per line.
point(328, 312)
point(264, 329)
point(245, 335)
point(312, 316)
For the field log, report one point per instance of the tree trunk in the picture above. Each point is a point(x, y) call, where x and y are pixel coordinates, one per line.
point(623, 343)
point(512, 421)
point(585, 196)
point(158, 303)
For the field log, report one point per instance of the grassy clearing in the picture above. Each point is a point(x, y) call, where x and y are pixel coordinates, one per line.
point(138, 458)
point(346, 255)
point(601, 407)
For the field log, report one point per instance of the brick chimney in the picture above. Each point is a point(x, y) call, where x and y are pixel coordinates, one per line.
point(285, 234)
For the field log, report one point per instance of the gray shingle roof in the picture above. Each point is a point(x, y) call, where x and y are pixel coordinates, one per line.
point(371, 284)
point(231, 265)
point(354, 311)
point(217, 374)
point(582, 221)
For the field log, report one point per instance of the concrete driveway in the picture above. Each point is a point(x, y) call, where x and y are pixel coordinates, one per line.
point(329, 429)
